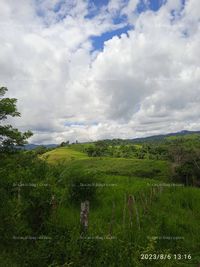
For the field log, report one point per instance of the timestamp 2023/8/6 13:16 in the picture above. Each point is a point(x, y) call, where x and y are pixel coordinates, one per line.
point(145, 256)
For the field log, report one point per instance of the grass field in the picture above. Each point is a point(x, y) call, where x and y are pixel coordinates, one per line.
point(126, 167)
point(164, 219)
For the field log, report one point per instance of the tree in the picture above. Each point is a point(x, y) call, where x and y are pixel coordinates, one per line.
point(90, 151)
point(40, 150)
point(188, 171)
point(9, 136)
point(64, 144)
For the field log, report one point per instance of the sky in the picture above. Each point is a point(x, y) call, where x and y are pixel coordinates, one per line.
point(95, 69)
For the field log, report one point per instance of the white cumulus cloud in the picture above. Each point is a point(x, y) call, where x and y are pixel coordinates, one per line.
point(147, 81)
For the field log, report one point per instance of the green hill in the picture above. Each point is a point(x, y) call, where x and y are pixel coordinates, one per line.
point(63, 154)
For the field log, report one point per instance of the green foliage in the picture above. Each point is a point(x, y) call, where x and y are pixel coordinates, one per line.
point(99, 149)
point(7, 105)
point(9, 136)
point(64, 144)
point(41, 150)
point(188, 169)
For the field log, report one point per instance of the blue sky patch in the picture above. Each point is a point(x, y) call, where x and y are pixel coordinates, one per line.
point(153, 5)
point(99, 3)
point(119, 19)
point(98, 41)
point(141, 7)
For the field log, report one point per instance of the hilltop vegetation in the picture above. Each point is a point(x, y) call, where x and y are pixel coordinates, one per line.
point(182, 152)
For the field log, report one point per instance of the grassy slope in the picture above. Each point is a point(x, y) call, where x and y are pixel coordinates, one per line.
point(165, 212)
point(63, 154)
point(126, 167)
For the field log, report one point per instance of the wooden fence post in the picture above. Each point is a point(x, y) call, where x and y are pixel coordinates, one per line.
point(130, 207)
point(19, 194)
point(112, 219)
point(137, 213)
point(124, 211)
point(53, 202)
point(84, 215)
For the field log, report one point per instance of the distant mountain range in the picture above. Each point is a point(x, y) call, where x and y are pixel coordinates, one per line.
point(33, 146)
point(163, 136)
point(141, 139)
